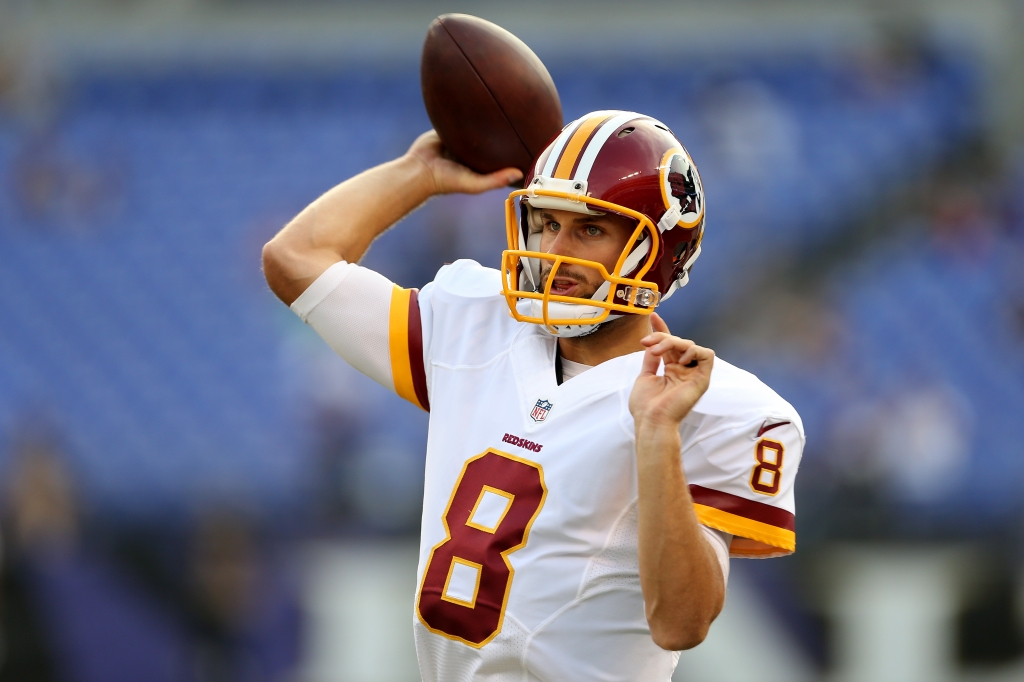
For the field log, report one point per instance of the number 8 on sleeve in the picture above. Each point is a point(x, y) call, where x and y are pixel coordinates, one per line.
point(767, 475)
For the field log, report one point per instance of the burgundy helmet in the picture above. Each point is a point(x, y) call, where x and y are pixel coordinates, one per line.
point(607, 162)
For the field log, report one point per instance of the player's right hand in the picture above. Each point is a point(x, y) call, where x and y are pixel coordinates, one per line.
point(449, 176)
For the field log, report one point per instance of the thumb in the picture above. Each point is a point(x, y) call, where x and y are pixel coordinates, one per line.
point(501, 178)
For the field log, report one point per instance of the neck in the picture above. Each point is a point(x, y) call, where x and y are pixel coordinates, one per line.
point(612, 339)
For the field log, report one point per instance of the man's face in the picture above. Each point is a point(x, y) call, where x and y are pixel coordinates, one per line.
point(598, 238)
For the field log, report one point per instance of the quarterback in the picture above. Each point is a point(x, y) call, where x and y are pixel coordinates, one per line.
point(588, 474)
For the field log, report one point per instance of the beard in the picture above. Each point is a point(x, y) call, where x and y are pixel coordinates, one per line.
point(586, 288)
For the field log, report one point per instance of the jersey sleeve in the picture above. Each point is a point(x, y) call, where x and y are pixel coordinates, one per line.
point(741, 480)
point(373, 324)
point(719, 542)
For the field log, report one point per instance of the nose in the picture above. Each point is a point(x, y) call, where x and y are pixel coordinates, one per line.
point(559, 246)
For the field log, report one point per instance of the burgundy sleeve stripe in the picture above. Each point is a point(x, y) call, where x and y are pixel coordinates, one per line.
point(419, 375)
point(739, 506)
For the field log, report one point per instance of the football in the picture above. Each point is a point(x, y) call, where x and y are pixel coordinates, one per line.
point(488, 96)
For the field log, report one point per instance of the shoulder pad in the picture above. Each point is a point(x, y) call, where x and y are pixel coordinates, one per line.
point(468, 279)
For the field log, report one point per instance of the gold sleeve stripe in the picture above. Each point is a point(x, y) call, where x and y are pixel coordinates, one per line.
point(748, 528)
point(746, 548)
point(574, 146)
point(398, 332)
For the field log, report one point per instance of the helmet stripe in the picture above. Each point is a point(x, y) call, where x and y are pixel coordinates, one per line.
point(586, 142)
point(558, 145)
point(602, 135)
point(576, 143)
point(556, 150)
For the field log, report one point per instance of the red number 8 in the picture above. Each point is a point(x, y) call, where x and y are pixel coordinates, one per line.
point(767, 474)
point(471, 546)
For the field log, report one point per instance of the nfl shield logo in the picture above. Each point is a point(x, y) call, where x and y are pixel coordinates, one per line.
point(540, 410)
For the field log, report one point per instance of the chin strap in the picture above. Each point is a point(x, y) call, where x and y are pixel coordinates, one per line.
point(681, 282)
point(671, 218)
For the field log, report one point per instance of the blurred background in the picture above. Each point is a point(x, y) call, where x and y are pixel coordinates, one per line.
point(194, 488)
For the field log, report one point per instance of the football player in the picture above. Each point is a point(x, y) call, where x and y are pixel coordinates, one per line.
point(588, 474)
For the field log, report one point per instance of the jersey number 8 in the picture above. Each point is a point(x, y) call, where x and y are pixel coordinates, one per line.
point(468, 576)
point(767, 474)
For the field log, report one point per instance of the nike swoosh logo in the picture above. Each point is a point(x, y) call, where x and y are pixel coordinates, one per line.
point(766, 427)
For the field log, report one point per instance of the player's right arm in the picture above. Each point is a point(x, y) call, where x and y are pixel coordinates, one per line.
point(341, 224)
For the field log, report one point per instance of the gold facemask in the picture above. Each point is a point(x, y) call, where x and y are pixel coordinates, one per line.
point(624, 294)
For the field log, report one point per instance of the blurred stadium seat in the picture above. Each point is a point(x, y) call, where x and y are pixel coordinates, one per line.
point(926, 388)
point(133, 309)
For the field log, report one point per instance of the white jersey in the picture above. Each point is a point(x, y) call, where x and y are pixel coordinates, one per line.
point(528, 563)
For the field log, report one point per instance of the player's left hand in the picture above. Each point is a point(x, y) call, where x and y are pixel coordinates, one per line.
point(664, 400)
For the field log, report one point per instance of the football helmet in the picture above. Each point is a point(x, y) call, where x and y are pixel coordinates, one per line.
point(607, 161)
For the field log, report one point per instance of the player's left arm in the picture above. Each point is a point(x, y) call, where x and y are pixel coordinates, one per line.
point(681, 578)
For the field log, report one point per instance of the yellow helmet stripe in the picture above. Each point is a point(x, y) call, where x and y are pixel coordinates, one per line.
point(575, 145)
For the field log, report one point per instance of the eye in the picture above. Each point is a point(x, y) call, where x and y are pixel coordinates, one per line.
point(593, 230)
point(553, 226)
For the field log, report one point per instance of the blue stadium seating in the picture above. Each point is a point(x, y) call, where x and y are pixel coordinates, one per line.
point(131, 303)
point(917, 314)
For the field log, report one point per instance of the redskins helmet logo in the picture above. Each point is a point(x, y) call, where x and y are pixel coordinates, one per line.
point(681, 189)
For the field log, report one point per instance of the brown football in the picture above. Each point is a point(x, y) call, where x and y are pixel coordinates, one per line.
point(487, 94)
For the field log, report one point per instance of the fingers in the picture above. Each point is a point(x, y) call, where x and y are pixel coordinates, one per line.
point(675, 350)
point(650, 364)
point(449, 175)
point(660, 344)
point(663, 342)
point(694, 355)
point(475, 183)
point(511, 176)
point(658, 324)
point(679, 355)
